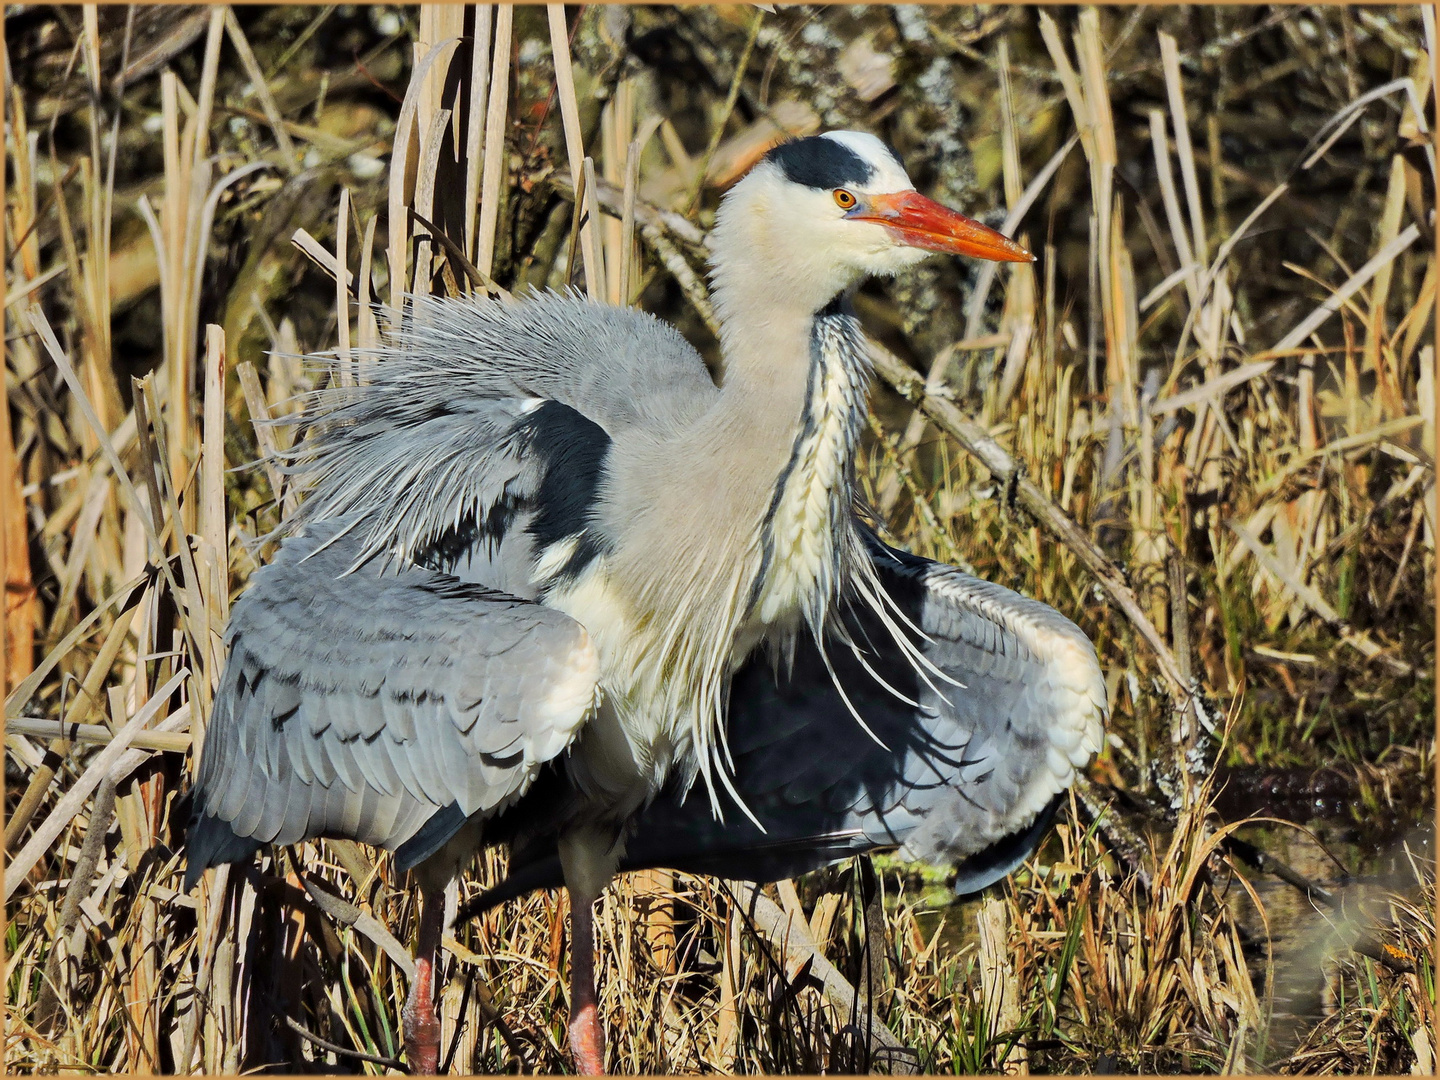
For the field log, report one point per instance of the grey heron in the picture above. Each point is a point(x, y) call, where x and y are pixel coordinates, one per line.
point(550, 576)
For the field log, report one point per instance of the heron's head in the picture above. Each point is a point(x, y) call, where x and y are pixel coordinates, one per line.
point(823, 212)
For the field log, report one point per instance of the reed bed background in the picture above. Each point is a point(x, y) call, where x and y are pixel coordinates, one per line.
point(1202, 425)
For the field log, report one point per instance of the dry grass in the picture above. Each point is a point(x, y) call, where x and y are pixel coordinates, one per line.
point(1253, 444)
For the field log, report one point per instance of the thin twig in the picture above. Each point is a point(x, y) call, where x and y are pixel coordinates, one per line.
point(697, 182)
point(683, 274)
point(477, 276)
point(334, 1048)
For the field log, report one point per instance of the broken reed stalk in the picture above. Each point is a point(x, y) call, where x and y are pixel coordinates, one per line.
point(475, 122)
point(423, 203)
point(187, 177)
point(574, 146)
point(617, 119)
point(627, 221)
point(214, 521)
point(342, 290)
point(405, 132)
point(96, 734)
point(495, 149)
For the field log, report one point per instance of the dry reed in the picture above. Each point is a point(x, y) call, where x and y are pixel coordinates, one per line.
point(1267, 504)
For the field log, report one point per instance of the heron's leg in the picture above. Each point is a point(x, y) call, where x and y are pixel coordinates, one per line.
point(422, 1026)
point(588, 856)
point(587, 1038)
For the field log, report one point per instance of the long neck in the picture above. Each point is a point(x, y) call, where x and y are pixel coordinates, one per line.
point(794, 383)
point(764, 323)
point(767, 291)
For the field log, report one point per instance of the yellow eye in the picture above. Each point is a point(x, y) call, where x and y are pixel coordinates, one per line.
point(844, 199)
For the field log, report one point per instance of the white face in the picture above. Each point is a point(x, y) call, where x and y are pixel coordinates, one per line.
point(819, 214)
point(815, 219)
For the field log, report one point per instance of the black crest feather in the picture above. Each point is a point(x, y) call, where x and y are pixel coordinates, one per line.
point(819, 162)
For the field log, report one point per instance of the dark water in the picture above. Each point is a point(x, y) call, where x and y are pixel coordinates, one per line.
point(1361, 871)
point(1361, 867)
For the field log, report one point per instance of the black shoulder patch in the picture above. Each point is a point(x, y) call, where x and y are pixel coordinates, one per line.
point(819, 162)
point(570, 450)
point(573, 449)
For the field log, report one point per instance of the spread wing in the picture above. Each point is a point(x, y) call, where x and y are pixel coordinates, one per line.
point(366, 704)
point(967, 776)
point(393, 681)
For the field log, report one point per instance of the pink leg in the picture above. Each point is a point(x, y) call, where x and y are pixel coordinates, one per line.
point(422, 1026)
point(587, 1038)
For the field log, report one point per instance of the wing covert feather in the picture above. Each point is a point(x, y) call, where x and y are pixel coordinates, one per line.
point(442, 455)
point(356, 701)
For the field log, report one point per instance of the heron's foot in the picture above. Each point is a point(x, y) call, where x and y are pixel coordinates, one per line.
point(422, 1026)
point(587, 1040)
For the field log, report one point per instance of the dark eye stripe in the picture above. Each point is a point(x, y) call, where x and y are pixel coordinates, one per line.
point(819, 162)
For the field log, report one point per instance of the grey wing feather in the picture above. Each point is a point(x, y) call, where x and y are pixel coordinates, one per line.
point(619, 367)
point(358, 704)
point(969, 779)
point(463, 414)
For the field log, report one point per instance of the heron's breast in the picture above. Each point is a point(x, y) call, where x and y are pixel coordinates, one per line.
point(802, 538)
point(802, 552)
point(644, 722)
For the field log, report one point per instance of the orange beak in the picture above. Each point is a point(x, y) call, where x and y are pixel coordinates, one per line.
point(916, 221)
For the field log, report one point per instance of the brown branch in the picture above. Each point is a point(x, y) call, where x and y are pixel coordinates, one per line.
point(948, 417)
point(48, 1009)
